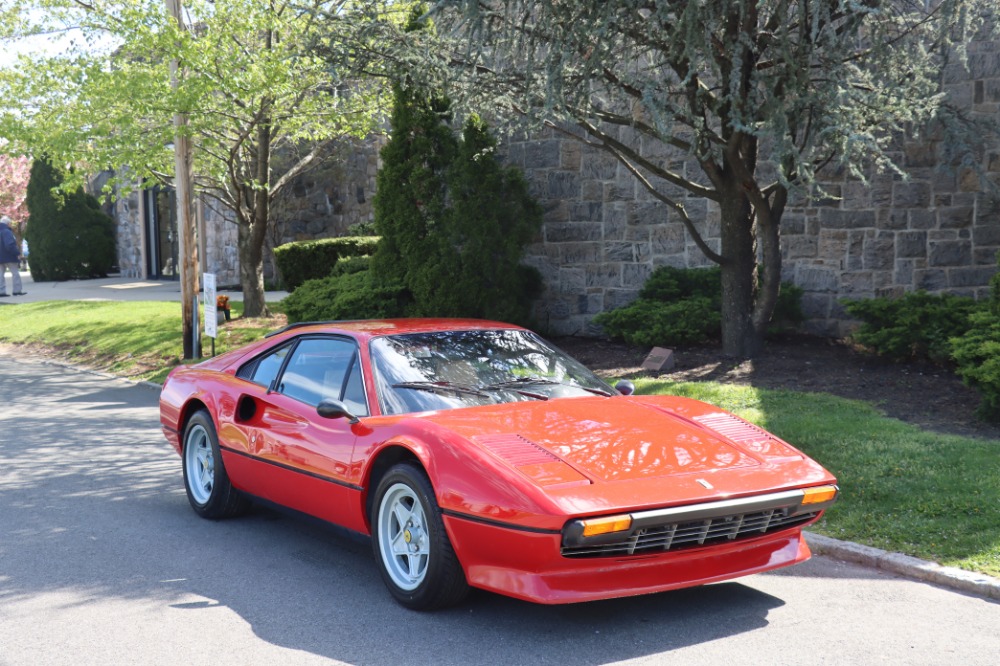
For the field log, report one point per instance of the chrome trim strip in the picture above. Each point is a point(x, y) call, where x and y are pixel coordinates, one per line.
point(683, 514)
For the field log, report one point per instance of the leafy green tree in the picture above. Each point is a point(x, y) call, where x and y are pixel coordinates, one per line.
point(250, 86)
point(69, 235)
point(754, 96)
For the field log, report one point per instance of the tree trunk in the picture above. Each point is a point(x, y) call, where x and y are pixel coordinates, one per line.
point(251, 249)
point(769, 240)
point(740, 338)
point(259, 203)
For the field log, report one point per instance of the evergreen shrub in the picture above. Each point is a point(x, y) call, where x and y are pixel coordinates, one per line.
point(917, 325)
point(977, 355)
point(682, 306)
point(650, 323)
point(453, 220)
point(69, 235)
point(308, 260)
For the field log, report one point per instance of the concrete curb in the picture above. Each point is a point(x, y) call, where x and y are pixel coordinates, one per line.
point(904, 565)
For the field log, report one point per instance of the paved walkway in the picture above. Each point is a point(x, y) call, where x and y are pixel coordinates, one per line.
point(110, 289)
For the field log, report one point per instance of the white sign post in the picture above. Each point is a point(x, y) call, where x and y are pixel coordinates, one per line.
point(211, 313)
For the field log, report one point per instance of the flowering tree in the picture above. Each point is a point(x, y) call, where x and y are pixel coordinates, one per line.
point(14, 173)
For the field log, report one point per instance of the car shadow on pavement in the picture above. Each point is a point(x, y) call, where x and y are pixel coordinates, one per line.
point(334, 574)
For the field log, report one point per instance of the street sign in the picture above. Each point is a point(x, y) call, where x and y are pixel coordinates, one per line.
point(211, 316)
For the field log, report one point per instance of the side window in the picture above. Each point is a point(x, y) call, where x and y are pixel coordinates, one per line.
point(265, 369)
point(354, 392)
point(318, 369)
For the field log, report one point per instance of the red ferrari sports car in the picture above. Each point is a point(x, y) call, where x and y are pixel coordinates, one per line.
point(476, 454)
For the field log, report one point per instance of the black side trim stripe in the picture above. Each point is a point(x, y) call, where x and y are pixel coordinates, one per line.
point(171, 429)
point(321, 477)
point(497, 523)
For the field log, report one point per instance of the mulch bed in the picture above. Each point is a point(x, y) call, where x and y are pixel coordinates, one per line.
point(921, 393)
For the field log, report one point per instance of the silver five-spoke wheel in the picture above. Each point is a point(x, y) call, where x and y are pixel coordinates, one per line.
point(200, 464)
point(208, 487)
point(402, 530)
point(412, 550)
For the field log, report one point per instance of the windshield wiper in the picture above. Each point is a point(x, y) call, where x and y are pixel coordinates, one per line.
point(441, 387)
point(515, 386)
point(522, 381)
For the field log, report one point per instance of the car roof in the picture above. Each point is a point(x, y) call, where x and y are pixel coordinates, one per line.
point(369, 328)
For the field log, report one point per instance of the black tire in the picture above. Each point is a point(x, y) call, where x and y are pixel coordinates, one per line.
point(427, 574)
point(208, 488)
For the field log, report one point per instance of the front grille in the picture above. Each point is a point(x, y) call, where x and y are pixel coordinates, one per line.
point(675, 536)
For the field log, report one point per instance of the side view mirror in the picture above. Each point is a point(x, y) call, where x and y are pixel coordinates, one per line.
point(335, 409)
point(625, 387)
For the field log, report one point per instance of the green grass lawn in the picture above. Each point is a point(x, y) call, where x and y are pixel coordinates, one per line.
point(141, 340)
point(902, 489)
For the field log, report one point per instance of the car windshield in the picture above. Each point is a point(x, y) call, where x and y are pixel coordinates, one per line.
point(449, 369)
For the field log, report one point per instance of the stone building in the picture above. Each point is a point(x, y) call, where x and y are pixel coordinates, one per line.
point(320, 203)
point(604, 234)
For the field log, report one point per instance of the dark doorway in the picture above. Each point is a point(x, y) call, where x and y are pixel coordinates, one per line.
point(162, 242)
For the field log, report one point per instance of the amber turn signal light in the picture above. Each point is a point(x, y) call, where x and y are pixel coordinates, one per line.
point(819, 494)
point(595, 526)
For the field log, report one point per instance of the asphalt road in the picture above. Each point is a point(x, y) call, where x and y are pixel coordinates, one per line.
point(103, 562)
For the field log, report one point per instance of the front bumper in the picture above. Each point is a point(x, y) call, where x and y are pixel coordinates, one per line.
point(529, 566)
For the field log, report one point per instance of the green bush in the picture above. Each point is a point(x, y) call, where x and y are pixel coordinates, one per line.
point(650, 323)
point(977, 354)
point(788, 312)
point(69, 235)
point(347, 295)
point(366, 228)
point(682, 306)
point(670, 284)
point(352, 265)
point(917, 325)
point(308, 260)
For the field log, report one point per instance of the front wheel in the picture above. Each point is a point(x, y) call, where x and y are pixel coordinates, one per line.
point(411, 547)
point(208, 488)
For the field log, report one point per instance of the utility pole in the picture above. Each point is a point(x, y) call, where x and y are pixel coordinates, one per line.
point(190, 267)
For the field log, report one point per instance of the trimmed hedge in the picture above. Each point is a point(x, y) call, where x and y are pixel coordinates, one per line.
point(347, 295)
point(309, 260)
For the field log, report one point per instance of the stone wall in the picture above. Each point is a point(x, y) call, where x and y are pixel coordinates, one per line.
point(604, 233)
point(219, 251)
point(128, 220)
point(324, 202)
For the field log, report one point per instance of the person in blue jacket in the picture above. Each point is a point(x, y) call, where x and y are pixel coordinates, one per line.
point(10, 258)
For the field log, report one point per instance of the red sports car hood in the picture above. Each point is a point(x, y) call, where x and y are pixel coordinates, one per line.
point(615, 439)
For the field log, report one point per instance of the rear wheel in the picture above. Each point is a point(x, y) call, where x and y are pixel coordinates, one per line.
point(412, 549)
point(208, 488)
